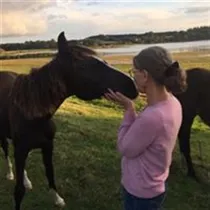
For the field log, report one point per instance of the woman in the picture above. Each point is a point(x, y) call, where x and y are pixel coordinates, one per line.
point(146, 140)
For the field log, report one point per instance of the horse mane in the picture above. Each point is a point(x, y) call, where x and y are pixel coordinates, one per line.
point(81, 52)
point(40, 92)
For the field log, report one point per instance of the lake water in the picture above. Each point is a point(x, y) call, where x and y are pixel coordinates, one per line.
point(172, 47)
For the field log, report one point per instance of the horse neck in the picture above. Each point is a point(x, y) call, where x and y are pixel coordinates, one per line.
point(41, 92)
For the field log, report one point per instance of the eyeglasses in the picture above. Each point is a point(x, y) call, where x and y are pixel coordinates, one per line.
point(132, 72)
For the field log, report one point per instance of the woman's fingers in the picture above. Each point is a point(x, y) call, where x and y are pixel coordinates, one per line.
point(107, 97)
point(120, 95)
point(117, 97)
point(113, 95)
point(111, 91)
point(110, 96)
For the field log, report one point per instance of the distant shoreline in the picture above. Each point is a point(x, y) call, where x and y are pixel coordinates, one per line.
point(133, 44)
point(123, 50)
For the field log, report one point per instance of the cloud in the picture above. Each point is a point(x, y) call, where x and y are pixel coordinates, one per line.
point(21, 18)
point(96, 14)
point(31, 18)
point(64, 3)
point(79, 19)
point(200, 10)
point(134, 20)
point(91, 3)
point(56, 17)
point(17, 5)
point(18, 24)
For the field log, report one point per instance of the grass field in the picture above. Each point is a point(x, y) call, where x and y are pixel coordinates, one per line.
point(87, 165)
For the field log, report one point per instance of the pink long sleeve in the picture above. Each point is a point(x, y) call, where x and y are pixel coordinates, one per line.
point(146, 143)
point(137, 133)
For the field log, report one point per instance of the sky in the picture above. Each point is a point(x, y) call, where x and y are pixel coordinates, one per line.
point(25, 20)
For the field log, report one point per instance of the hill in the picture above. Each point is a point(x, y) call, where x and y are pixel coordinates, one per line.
point(102, 40)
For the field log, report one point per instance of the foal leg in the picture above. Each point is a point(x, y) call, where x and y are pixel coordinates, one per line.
point(20, 155)
point(10, 174)
point(26, 181)
point(47, 151)
point(184, 143)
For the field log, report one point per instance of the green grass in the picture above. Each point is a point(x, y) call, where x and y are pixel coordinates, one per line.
point(22, 65)
point(186, 60)
point(87, 165)
point(123, 62)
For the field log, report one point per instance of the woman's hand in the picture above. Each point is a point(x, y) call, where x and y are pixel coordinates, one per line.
point(119, 98)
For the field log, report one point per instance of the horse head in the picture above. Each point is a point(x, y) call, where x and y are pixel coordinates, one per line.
point(87, 76)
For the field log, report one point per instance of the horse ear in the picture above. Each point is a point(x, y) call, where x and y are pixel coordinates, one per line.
point(62, 43)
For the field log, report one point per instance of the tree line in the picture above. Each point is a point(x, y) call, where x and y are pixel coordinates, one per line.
point(101, 40)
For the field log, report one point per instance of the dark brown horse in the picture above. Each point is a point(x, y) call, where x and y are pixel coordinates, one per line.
point(195, 101)
point(28, 102)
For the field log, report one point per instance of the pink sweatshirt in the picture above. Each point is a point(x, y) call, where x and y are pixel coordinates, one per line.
point(146, 143)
